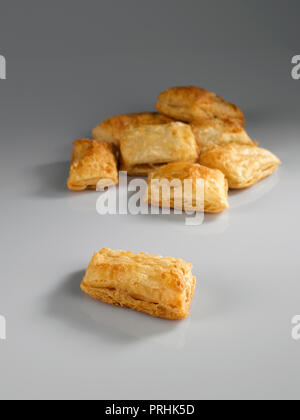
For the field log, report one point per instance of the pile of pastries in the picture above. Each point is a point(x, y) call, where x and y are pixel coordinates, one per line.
point(194, 135)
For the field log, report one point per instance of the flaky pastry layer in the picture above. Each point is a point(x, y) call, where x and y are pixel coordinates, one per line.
point(220, 132)
point(190, 103)
point(139, 170)
point(112, 129)
point(161, 287)
point(159, 144)
point(92, 161)
point(214, 193)
point(242, 165)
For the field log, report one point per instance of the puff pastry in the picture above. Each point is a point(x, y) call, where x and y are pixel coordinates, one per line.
point(215, 187)
point(220, 132)
point(92, 161)
point(161, 287)
point(191, 103)
point(242, 165)
point(139, 170)
point(143, 147)
point(112, 129)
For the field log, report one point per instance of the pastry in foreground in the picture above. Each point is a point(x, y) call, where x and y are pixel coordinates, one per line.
point(212, 194)
point(192, 104)
point(112, 129)
point(220, 132)
point(242, 165)
point(92, 162)
point(147, 147)
point(161, 287)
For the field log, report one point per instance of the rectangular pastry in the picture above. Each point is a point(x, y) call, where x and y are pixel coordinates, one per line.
point(146, 146)
point(92, 162)
point(112, 129)
point(242, 165)
point(161, 287)
point(190, 103)
point(214, 188)
point(220, 132)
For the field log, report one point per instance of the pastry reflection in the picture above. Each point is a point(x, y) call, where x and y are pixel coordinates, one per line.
point(239, 198)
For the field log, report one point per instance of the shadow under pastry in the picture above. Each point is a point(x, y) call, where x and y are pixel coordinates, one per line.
point(51, 179)
point(244, 197)
point(93, 317)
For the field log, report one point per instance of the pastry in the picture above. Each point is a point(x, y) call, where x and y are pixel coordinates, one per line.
point(92, 162)
point(139, 170)
point(242, 165)
point(212, 193)
point(220, 132)
point(161, 287)
point(143, 147)
point(112, 129)
point(195, 104)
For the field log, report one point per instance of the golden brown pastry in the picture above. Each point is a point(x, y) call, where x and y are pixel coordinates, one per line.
point(138, 170)
point(220, 132)
point(242, 165)
point(214, 186)
point(162, 287)
point(192, 104)
point(143, 147)
point(112, 129)
point(92, 161)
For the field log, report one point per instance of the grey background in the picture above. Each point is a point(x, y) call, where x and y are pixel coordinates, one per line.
point(69, 65)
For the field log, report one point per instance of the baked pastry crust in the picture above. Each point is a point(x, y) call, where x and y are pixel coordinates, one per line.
point(143, 147)
point(139, 170)
point(112, 129)
point(220, 132)
point(161, 287)
point(242, 165)
point(215, 187)
point(190, 103)
point(92, 161)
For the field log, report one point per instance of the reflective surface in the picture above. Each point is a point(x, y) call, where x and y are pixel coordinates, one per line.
point(61, 344)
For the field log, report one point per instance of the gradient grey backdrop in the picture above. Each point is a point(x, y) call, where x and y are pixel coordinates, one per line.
point(69, 65)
